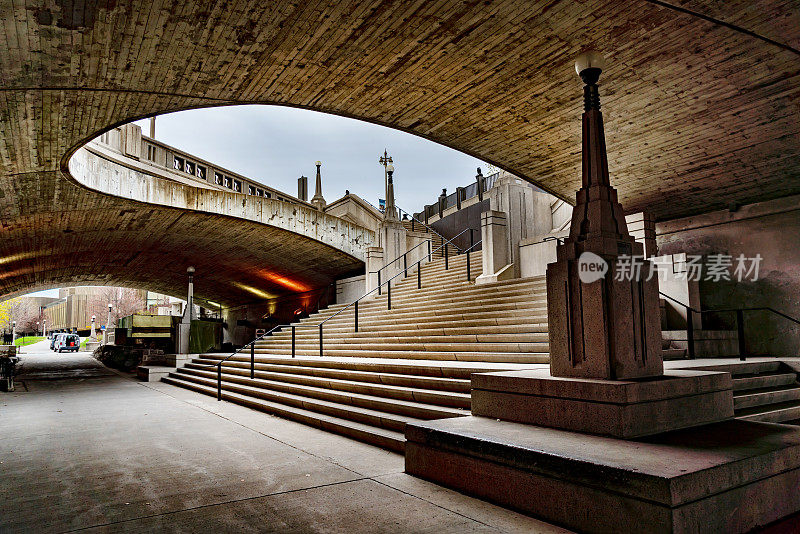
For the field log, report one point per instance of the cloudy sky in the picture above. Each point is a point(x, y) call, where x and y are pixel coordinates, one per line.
point(275, 145)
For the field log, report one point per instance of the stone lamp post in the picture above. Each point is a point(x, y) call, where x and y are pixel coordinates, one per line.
point(13, 332)
point(108, 325)
point(186, 322)
point(390, 213)
point(93, 333)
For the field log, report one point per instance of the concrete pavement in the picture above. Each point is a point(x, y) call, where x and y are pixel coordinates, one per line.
point(85, 448)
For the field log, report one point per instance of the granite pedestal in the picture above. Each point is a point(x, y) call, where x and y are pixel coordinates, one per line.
point(725, 477)
point(618, 408)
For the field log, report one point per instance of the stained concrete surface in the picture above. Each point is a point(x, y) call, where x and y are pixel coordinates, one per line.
point(84, 448)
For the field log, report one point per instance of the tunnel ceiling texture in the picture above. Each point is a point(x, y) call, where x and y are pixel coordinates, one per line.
point(701, 101)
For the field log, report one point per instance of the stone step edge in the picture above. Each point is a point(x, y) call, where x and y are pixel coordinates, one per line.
point(381, 437)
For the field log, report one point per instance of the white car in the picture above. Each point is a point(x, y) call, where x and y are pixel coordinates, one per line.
point(67, 342)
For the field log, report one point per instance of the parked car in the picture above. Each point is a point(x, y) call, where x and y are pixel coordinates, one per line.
point(68, 343)
point(53, 339)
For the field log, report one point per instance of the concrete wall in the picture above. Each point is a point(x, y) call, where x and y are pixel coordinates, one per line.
point(771, 229)
point(350, 289)
point(109, 173)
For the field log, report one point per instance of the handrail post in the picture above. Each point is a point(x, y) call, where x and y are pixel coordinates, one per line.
point(253, 360)
point(740, 333)
point(419, 274)
point(468, 273)
point(471, 239)
point(219, 381)
point(320, 339)
point(356, 315)
point(446, 266)
point(405, 264)
point(389, 294)
point(429, 251)
point(690, 333)
point(379, 281)
point(293, 343)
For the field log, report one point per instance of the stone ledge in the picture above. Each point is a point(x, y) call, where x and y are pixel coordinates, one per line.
point(726, 477)
point(617, 408)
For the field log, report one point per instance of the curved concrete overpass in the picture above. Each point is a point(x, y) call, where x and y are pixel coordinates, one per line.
point(701, 107)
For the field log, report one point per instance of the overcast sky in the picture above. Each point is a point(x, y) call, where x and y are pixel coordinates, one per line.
point(275, 145)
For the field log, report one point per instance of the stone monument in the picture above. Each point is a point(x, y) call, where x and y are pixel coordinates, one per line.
point(606, 440)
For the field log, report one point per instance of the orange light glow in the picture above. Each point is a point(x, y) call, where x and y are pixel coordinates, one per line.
point(285, 282)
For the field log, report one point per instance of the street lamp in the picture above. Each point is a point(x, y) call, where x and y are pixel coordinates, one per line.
point(44, 328)
point(13, 332)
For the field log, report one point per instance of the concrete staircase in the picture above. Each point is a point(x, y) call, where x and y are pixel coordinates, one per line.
point(436, 240)
point(762, 390)
point(410, 363)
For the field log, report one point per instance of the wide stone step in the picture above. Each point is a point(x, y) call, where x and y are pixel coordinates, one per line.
point(401, 336)
point(431, 368)
point(414, 295)
point(435, 383)
point(380, 437)
point(745, 368)
point(412, 394)
point(307, 396)
point(451, 303)
point(404, 331)
point(396, 314)
point(442, 346)
point(775, 413)
point(500, 357)
point(778, 379)
point(762, 397)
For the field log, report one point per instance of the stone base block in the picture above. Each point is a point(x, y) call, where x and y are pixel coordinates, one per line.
point(92, 345)
point(506, 273)
point(152, 373)
point(618, 408)
point(726, 477)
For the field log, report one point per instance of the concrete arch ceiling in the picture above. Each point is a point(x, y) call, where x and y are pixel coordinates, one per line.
point(701, 105)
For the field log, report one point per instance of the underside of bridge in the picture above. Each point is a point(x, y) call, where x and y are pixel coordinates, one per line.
point(701, 103)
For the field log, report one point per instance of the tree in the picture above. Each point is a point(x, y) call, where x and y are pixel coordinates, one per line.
point(22, 310)
point(124, 301)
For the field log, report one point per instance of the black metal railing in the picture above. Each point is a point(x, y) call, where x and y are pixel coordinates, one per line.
point(353, 304)
point(739, 314)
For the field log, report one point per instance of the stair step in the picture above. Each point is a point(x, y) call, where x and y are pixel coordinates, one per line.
point(766, 396)
point(775, 413)
point(430, 368)
point(380, 437)
point(367, 416)
point(505, 357)
point(744, 383)
point(414, 409)
point(412, 394)
point(456, 385)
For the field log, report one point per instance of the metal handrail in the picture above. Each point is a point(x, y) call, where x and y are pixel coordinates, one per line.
point(400, 211)
point(739, 322)
point(401, 256)
point(320, 325)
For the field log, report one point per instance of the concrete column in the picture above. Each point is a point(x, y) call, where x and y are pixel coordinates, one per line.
point(131, 141)
point(494, 243)
point(514, 196)
point(185, 325)
point(374, 261)
point(393, 240)
point(302, 188)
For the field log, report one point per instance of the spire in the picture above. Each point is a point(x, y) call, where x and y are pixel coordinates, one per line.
point(318, 201)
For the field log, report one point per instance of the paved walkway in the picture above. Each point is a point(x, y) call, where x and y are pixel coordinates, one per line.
point(84, 448)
